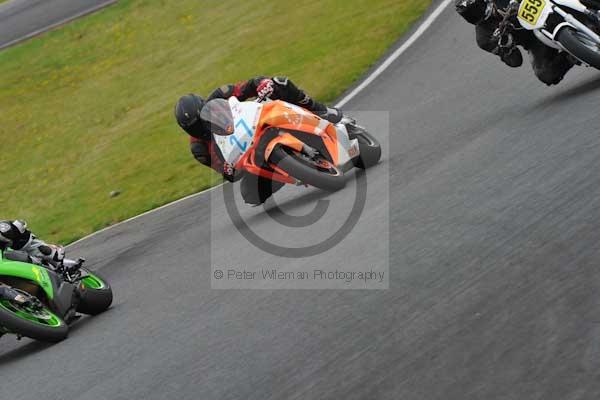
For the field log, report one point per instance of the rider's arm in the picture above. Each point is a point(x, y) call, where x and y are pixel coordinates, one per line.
point(204, 151)
point(207, 153)
point(484, 36)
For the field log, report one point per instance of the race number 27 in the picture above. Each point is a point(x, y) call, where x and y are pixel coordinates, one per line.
point(235, 141)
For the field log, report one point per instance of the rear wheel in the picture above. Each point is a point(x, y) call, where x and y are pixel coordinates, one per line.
point(96, 294)
point(370, 149)
point(318, 173)
point(580, 45)
point(37, 323)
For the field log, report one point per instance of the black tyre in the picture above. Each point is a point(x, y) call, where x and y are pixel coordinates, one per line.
point(96, 294)
point(370, 148)
point(580, 45)
point(307, 171)
point(39, 324)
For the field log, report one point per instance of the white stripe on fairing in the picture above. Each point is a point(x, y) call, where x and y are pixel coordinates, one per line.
point(321, 127)
point(385, 65)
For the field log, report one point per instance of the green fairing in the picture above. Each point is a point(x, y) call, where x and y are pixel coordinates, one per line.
point(93, 282)
point(27, 271)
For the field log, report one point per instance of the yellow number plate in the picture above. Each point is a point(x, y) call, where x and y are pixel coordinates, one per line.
point(531, 10)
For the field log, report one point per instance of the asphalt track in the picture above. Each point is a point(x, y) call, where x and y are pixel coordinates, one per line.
point(494, 204)
point(21, 19)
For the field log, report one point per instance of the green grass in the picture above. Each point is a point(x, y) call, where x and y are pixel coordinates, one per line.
point(88, 108)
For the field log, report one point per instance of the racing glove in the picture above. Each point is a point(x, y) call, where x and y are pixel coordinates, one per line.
point(231, 174)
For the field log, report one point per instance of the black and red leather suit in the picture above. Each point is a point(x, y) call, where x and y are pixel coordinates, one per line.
point(255, 190)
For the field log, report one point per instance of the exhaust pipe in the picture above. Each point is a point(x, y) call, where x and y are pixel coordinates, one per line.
point(8, 293)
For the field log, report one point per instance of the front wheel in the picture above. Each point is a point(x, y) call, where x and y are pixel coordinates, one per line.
point(580, 45)
point(370, 149)
point(96, 294)
point(322, 175)
point(37, 323)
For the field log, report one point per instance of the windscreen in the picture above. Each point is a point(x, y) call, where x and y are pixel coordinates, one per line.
point(217, 117)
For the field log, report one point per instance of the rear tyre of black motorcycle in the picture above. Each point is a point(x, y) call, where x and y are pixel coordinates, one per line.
point(574, 42)
point(34, 330)
point(370, 148)
point(293, 164)
point(96, 296)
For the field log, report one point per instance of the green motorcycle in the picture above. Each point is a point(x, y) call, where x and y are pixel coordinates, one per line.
point(40, 303)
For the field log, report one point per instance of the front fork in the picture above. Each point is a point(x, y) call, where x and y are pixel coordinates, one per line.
point(571, 20)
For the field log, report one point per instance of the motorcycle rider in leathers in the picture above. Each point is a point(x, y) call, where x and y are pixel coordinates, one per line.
point(549, 65)
point(254, 189)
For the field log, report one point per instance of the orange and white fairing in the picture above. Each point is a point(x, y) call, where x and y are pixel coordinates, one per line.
point(251, 120)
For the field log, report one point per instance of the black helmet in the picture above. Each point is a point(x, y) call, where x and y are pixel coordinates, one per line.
point(474, 11)
point(187, 113)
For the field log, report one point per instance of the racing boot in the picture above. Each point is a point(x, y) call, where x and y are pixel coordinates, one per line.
point(331, 114)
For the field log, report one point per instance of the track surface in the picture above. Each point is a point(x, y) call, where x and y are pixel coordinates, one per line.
point(20, 18)
point(495, 208)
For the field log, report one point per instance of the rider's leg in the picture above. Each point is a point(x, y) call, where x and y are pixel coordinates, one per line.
point(286, 90)
point(39, 251)
point(549, 65)
point(20, 256)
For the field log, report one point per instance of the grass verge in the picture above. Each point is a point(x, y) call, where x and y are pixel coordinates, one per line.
point(87, 109)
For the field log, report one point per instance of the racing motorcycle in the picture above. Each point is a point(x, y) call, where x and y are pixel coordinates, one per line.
point(40, 302)
point(288, 144)
point(566, 25)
